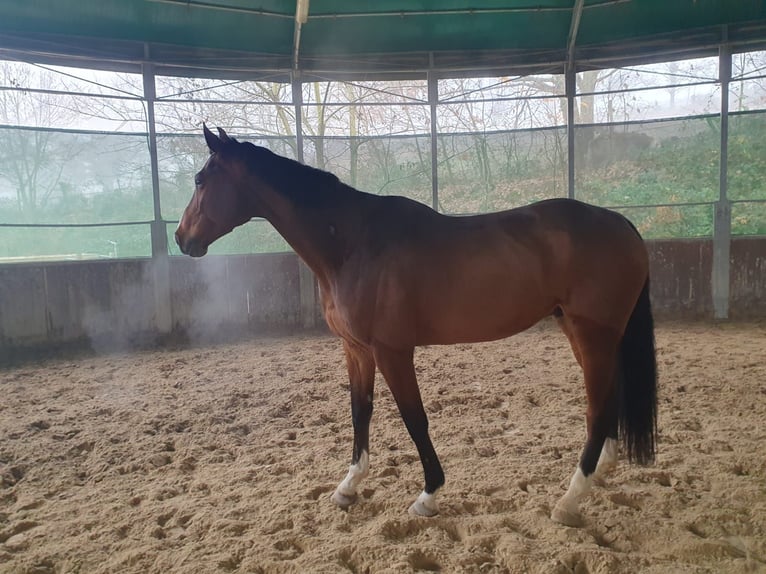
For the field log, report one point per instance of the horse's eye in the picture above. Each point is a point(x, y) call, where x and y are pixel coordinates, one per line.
point(197, 180)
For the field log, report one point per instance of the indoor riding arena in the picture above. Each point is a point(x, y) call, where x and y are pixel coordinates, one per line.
point(162, 413)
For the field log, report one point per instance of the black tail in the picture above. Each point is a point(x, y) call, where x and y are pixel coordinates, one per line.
point(638, 383)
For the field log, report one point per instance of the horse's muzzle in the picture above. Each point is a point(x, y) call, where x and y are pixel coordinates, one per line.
point(191, 247)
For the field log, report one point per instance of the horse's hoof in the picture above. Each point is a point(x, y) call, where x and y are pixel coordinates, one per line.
point(343, 500)
point(419, 509)
point(566, 517)
point(425, 505)
point(599, 480)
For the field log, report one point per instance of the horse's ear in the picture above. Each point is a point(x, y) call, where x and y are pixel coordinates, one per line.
point(224, 136)
point(212, 140)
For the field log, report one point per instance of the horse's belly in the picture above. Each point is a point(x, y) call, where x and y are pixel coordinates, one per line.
point(485, 316)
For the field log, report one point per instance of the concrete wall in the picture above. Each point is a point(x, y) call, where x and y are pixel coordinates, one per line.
point(50, 303)
point(113, 302)
point(680, 278)
point(681, 286)
point(747, 279)
point(259, 291)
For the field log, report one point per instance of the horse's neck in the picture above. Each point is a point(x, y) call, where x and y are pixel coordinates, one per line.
point(318, 234)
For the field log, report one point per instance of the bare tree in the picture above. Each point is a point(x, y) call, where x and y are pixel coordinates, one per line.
point(33, 160)
point(749, 86)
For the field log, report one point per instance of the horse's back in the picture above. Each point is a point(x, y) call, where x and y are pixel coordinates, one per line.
point(445, 279)
point(580, 220)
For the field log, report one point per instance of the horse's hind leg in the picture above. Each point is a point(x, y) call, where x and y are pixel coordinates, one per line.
point(399, 371)
point(608, 458)
point(361, 375)
point(607, 461)
point(597, 353)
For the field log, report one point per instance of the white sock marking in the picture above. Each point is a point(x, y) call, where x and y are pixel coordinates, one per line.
point(356, 473)
point(579, 485)
point(428, 503)
point(608, 458)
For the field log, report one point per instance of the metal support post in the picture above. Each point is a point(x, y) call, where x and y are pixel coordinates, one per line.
point(306, 277)
point(722, 222)
point(159, 242)
point(297, 89)
point(570, 81)
point(159, 238)
point(433, 100)
point(570, 89)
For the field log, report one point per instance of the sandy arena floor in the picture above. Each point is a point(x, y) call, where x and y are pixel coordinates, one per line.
point(222, 459)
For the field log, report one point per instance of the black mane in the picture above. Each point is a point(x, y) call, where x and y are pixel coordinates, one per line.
point(306, 185)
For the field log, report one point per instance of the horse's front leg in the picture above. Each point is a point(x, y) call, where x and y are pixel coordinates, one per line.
point(399, 371)
point(361, 375)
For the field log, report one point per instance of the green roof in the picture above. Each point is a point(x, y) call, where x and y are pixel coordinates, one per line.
point(364, 36)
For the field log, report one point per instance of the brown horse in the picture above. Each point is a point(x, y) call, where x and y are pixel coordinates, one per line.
point(394, 274)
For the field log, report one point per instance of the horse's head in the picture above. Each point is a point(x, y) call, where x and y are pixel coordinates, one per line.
point(220, 201)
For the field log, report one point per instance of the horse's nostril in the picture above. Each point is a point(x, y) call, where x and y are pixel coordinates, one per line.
point(194, 248)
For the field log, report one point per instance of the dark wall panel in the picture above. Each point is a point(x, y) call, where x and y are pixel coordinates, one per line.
point(680, 278)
